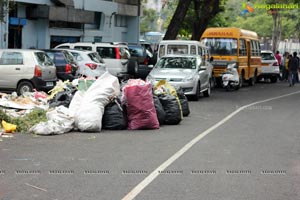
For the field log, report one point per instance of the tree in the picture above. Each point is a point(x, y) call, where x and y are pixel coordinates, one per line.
point(204, 12)
point(177, 19)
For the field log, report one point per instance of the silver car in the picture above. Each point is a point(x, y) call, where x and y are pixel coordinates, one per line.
point(23, 70)
point(190, 72)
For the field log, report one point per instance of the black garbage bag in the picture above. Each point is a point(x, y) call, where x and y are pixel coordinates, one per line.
point(114, 117)
point(62, 98)
point(171, 108)
point(161, 114)
point(183, 101)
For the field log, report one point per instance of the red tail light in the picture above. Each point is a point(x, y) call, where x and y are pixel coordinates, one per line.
point(118, 55)
point(68, 68)
point(91, 65)
point(38, 71)
point(146, 61)
point(275, 64)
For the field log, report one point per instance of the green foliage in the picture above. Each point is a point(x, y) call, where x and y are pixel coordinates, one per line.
point(148, 21)
point(260, 21)
point(26, 122)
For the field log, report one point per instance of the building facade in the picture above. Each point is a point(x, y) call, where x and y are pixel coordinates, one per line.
point(44, 24)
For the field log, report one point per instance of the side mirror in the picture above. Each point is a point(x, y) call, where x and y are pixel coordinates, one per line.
point(211, 59)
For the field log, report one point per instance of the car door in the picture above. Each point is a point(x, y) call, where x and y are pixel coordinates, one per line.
point(11, 68)
point(204, 75)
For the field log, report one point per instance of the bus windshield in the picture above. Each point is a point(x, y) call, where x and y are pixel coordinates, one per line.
point(221, 46)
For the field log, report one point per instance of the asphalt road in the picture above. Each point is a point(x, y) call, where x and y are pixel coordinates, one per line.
point(254, 154)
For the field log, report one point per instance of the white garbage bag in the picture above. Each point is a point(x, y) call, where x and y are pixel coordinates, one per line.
point(60, 121)
point(88, 108)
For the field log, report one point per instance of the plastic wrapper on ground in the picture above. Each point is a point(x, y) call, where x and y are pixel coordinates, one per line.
point(60, 121)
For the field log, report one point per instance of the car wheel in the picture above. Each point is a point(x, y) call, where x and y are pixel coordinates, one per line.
point(241, 80)
point(273, 79)
point(196, 96)
point(207, 92)
point(132, 67)
point(24, 86)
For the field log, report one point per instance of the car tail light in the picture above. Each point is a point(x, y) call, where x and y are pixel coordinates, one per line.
point(118, 55)
point(275, 64)
point(37, 71)
point(146, 61)
point(91, 65)
point(68, 68)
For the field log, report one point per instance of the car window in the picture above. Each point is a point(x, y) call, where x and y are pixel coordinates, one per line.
point(77, 56)
point(124, 53)
point(106, 52)
point(177, 49)
point(89, 48)
point(136, 51)
point(11, 58)
point(95, 57)
point(57, 57)
point(43, 59)
point(64, 47)
point(267, 56)
point(69, 57)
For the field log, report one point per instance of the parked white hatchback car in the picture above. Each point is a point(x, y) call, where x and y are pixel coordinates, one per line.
point(190, 72)
point(270, 67)
point(90, 63)
point(26, 69)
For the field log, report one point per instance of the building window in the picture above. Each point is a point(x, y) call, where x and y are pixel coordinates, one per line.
point(61, 24)
point(120, 21)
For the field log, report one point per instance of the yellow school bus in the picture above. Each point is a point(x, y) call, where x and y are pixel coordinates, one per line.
point(234, 45)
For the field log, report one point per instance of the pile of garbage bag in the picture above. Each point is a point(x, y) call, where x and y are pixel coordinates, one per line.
point(90, 105)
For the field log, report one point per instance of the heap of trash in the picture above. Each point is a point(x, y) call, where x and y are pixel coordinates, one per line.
point(90, 105)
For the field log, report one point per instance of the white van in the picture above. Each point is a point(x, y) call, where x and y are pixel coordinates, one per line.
point(188, 47)
point(115, 55)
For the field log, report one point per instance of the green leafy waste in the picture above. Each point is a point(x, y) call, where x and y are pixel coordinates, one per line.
point(25, 122)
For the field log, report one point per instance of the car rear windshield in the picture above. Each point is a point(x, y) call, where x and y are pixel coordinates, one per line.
point(267, 56)
point(136, 51)
point(95, 57)
point(43, 59)
point(69, 57)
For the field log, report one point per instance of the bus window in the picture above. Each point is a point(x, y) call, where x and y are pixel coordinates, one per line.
point(221, 46)
point(243, 50)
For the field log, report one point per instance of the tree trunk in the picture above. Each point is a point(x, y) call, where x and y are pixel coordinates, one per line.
point(210, 8)
point(177, 19)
